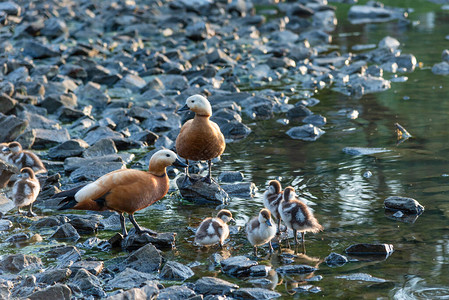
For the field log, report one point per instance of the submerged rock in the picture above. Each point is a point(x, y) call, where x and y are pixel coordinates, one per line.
point(241, 189)
point(214, 286)
point(441, 68)
point(361, 277)
point(230, 176)
point(363, 151)
point(133, 241)
point(336, 260)
point(255, 293)
point(370, 249)
point(295, 269)
point(201, 192)
point(238, 266)
point(148, 291)
point(306, 132)
point(404, 204)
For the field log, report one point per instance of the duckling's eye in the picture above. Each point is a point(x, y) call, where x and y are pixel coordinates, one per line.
point(193, 101)
point(168, 155)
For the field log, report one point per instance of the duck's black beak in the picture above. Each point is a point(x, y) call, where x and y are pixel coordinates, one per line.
point(179, 164)
point(184, 108)
point(268, 222)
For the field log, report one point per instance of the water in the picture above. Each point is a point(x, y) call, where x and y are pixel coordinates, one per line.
point(348, 205)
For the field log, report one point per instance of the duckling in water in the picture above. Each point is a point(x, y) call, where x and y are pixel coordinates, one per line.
point(214, 230)
point(296, 215)
point(271, 200)
point(260, 230)
point(200, 138)
point(125, 190)
point(22, 158)
point(25, 190)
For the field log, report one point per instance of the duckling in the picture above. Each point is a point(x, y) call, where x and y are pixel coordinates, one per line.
point(200, 138)
point(4, 152)
point(296, 215)
point(214, 230)
point(125, 190)
point(260, 230)
point(25, 190)
point(22, 158)
point(271, 199)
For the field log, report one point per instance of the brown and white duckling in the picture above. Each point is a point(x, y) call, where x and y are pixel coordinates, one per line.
point(25, 190)
point(271, 200)
point(125, 190)
point(296, 215)
point(200, 138)
point(5, 152)
point(260, 230)
point(22, 158)
point(214, 230)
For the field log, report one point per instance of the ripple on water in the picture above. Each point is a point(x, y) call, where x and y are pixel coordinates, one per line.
point(417, 288)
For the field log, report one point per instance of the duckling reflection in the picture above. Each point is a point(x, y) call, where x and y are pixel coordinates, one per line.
point(269, 282)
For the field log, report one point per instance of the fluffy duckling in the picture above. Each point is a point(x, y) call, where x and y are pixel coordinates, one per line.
point(125, 190)
point(22, 158)
point(214, 230)
point(25, 190)
point(271, 200)
point(296, 215)
point(4, 151)
point(200, 138)
point(260, 230)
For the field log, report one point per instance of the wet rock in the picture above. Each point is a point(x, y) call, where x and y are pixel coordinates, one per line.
point(145, 259)
point(5, 225)
point(95, 243)
point(363, 151)
point(298, 111)
point(129, 278)
point(281, 62)
point(174, 82)
point(201, 192)
point(198, 31)
point(259, 271)
point(26, 286)
point(389, 42)
point(165, 240)
point(214, 286)
point(36, 50)
point(308, 288)
point(241, 189)
point(5, 288)
point(336, 260)
point(220, 58)
point(99, 133)
point(54, 27)
point(65, 255)
point(91, 94)
point(306, 132)
point(149, 291)
point(361, 277)
point(295, 269)
point(441, 68)
point(88, 283)
point(51, 276)
point(6, 171)
point(370, 249)
point(173, 270)
point(365, 14)
point(84, 224)
point(101, 148)
point(371, 84)
point(255, 293)
point(176, 292)
point(95, 170)
point(316, 37)
point(66, 231)
point(57, 291)
point(73, 163)
point(18, 237)
point(316, 120)
point(93, 266)
point(230, 176)
point(70, 148)
point(54, 102)
point(45, 138)
point(6, 103)
point(234, 130)
point(12, 127)
point(53, 221)
point(404, 204)
point(10, 8)
point(406, 62)
point(17, 262)
point(238, 266)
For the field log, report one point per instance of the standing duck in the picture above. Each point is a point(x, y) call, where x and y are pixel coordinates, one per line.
point(271, 200)
point(22, 158)
point(200, 138)
point(25, 190)
point(125, 190)
point(214, 230)
point(296, 215)
point(260, 230)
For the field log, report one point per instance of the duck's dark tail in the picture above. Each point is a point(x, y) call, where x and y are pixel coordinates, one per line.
point(68, 197)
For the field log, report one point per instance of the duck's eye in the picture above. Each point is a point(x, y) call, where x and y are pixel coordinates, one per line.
point(193, 101)
point(168, 155)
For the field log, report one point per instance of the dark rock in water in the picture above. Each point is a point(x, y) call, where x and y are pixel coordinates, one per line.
point(441, 68)
point(129, 278)
point(45, 138)
point(371, 84)
point(281, 62)
point(12, 127)
point(234, 130)
point(165, 240)
point(404, 204)
point(214, 286)
point(230, 176)
point(238, 266)
point(37, 50)
point(54, 275)
point(66, 231)
point(65, 256)
point(6, 103)
point(18, 237)
point(17, 262)
point(57, 291)
point(6, 171)
point(101, 148)
point(298, 111)
point(259, 271)
point(336, 260)
point(93, 266)
point(88, 283)
point(406, 62)
point(5, 225)
point(306, 132)
point(149, 291)
point(317, 120)
point(70, 148)
point(84, 224)
point(176, 292)
point(308, 288)
point(145, 259)
point(361, 277)
point(295, 269)
point(255, 293)
point(173, 270)
point(363, 151)
point(240, 189)
point(200, 191)
point(370, 249)
point(26, 286)
point(445, 55)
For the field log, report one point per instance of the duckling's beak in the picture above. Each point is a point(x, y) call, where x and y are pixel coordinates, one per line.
point(19, 176)
point(5, 149)
point(179, 164)
point(233, 221)
point(184, 108)
point(268, 222)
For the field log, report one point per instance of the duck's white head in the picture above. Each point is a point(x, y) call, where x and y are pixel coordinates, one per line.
point(225, 215)
point(198, 104)
point(265, 217)
point(289, 193)
point(162, 159)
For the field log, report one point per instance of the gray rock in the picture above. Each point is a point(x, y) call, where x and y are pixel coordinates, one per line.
point(95, 243)
point(129, 278)
point(316, 120)
point(17, 262)
point(57, 291)
point(10, 8)
point(6, 171)
point(99, 133)
point(308, 288)
point(73, 71)
point(404, 204)
point(389, 42)
point(173, 270)
point(54, 27)
point(101, 148)
point(441, 68)
point(369, 13)
point(259, 271)
point(165, 240)
point(336, 260)
point(49, 222)
point(145, 259)
point(198, 31)
point(53, 102)
point(68, 114)
point(255, 293)
point(132, 82)
point(363, 151)
point(12, 127)
point(91, 94)
point(84, 224)
point(306, 132)
point(37, 50)
point(406, 62)
point(66, 231)
point(371, 84)
point(73, 163)
point(234, 130)
point(281, 62)
point(240, 189)
point(51, 276)
point(26, 286)
point(65, 256)
point(174, 82)
point(299, 111)
point(70, 148)
point(18, 237)
point(176, 292)
point(238, 266)
point(93, 266)
point(45, 138)
point(214, 286)
point(362, 249)
point(5, 288)
point(201, 192)
point(88, 283)
point(445, 55)
point(218, 57)
point(230, 176)
point(361, 277)
point(149, 291)
point(6, 103)
point(37, 121)
point(316, 37)
point(295, 269)
point(95, 170)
